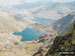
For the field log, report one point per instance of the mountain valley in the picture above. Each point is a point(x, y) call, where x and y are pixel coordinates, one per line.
point(36, 28)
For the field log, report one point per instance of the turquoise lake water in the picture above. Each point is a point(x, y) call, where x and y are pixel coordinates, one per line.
point(41, 20)
point(36, 19)
point(29, 34)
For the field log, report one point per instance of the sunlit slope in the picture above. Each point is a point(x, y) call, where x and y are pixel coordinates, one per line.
point(10, 45)
point(8, 24)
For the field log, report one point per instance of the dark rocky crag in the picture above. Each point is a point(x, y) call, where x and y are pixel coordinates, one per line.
point(60, 43)
point(63, 43)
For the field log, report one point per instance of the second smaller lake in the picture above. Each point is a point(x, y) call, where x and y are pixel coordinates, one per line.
point(36, 19)
point(29, 34)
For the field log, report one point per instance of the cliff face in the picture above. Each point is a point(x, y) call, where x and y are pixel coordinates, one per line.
point(62, 24)
point(63, 43)
point(47, 41)
point(60, 43)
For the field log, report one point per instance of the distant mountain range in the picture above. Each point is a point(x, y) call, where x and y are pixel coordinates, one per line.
point(41, 9)
point(49, 10)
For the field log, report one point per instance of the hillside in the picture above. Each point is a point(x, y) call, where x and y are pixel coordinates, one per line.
point(67, 42)
point(62, 24)
point(58, 27)
point(21, 14)
point(10, 45)
point(8, 24)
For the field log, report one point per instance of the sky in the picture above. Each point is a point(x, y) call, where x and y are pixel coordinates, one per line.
point(62, 0)
point(50, 0)
point(17, 2)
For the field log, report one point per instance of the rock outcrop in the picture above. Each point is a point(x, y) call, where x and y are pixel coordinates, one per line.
point(63, 24)
point(63, 43)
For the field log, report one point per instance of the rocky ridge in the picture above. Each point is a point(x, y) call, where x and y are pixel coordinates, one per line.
point(60, 43)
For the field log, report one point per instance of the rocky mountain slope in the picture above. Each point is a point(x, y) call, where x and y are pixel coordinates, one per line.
point(8, 24)
point(58, 27)
point(10, 45)
point(67, 40)
point(62, 24)
point(63, 43)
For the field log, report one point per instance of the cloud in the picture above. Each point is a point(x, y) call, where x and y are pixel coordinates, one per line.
point(29, 1)
point(10, 3)
point(62, 0)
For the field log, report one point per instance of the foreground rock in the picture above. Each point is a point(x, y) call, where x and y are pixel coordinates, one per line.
point(61, 43)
